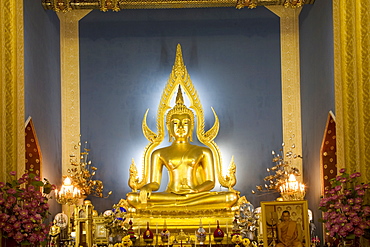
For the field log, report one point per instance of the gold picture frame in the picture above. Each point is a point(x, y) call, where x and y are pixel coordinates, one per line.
point(100, 231)
point(271, 214)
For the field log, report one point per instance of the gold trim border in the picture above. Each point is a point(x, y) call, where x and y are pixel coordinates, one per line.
point(11, 88)
point(117, 5)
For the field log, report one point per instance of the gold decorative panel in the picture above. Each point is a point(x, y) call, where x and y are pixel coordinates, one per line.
point(351, 23)
point(117, 5)
point(70, 83)
point(290, 81)
point(11, 88)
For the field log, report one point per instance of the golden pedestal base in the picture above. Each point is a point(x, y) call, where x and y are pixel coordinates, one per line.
point(185, 224)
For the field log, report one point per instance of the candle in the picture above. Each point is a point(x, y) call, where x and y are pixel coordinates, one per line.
point(196, 238)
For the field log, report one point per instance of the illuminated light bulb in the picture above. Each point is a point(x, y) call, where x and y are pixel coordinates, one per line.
point(67, 181)
point(292, 178)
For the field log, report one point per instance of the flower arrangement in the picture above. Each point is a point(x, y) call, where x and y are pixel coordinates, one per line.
point(345, 214)
point(114, 220)
point(24, 208)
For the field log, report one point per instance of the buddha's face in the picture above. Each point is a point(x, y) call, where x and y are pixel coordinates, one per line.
point(180, 126)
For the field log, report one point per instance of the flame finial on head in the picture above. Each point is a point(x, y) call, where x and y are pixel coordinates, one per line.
point(179, 97)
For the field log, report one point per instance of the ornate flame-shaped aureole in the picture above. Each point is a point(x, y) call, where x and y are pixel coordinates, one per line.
point(180, 77)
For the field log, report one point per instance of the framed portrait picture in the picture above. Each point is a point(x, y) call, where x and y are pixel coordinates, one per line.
point(100, 232)
point(285, 222)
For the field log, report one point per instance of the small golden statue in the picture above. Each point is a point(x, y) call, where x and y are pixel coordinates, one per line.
point(54, 234)
point(192, 169)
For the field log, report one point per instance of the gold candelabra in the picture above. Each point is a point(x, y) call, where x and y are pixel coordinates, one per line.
point(292, 190)
point(68, 193)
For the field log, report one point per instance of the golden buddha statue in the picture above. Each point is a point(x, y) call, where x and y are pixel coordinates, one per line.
point(192, 169)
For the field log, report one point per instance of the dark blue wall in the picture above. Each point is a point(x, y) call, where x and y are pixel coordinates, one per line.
point(233, 57)
point(42, 86)
point(317, 91)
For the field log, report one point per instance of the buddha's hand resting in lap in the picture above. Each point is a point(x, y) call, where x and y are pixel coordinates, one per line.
point(145, 193)
point(185, 191)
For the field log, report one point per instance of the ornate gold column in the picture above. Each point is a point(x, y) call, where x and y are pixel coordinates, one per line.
point(70, 83)
point(351, 25)
point(290, 81)
point(11, 88)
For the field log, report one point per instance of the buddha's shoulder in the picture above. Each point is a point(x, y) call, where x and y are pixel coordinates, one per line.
point(192, 147)
point(161, 151)
point(201, 149)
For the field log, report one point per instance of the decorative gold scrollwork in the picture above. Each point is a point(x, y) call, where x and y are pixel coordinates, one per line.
point(117, 5)
point(105, 5)
point(62, 6)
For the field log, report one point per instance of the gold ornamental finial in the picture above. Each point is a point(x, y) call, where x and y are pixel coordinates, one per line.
point(179, 97)
point(179, 66)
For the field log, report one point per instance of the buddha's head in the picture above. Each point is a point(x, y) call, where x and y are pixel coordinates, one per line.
point(180, 120)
